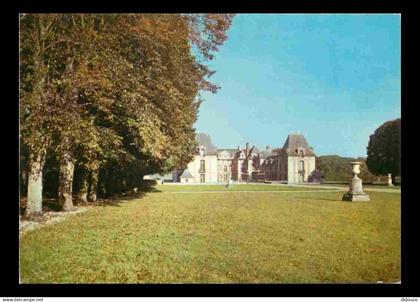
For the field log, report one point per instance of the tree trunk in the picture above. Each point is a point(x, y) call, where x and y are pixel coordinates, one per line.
point(84, 186)
point(34, 196)
point(65, 189)
point(24, 182)
point(93, 185)
point(393, 179)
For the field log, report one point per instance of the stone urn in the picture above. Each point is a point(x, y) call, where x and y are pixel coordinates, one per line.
point(355, 192)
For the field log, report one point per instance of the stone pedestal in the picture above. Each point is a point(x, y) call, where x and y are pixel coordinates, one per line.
point(390, 181)
point(355, 192)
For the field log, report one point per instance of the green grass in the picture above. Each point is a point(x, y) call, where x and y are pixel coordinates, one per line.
point(382, 187)
point(238, 237)
point(233, 187)
point(367, 186)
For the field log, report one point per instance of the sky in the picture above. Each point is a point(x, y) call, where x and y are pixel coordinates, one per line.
point(332, 78)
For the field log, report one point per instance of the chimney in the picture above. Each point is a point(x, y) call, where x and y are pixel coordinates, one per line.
point(246, 149)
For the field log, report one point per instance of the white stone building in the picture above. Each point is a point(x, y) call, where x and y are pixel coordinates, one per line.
point(203, 168)
point(293, 163)
point(219, 165)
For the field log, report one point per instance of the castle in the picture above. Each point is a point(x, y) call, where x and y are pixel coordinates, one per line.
point(293, 163)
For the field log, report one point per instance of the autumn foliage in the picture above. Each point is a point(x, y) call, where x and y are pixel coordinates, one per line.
point(111, 97)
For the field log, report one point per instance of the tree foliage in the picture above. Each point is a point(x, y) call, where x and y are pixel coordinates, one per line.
point(114, 94)
point(337, 168)
point(384, 149)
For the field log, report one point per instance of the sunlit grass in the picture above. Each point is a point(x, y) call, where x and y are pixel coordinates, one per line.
point(375, 186)
point(238, 237)
point(233, 187)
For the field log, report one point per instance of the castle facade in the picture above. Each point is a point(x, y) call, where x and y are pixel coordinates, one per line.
point(293, 163)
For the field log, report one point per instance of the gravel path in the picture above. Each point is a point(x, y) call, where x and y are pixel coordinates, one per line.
point(47, 218)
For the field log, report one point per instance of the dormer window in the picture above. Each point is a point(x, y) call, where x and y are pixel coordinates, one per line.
point(301, 152)
point(202, 151)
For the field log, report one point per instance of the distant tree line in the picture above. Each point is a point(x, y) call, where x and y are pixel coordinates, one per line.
point(383, 157)
point(337, 168)
point(107, 98)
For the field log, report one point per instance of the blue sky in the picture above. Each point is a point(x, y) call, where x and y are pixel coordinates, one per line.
point(333, 78)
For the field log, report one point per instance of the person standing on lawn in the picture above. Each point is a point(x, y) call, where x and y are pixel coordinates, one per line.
point(228, 181)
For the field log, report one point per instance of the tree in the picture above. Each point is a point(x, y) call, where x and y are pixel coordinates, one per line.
point(384, 149)
point(337, 168)
point(35, 102)
point(60, 82)
point(76, 87)
point(156, 106)
point(117, 92)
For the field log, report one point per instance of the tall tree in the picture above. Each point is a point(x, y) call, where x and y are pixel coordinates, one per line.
point(75, 78)
point(59, 65)
point(119, 91)
point(157, 104)
point(35, 100)
point(384, 149)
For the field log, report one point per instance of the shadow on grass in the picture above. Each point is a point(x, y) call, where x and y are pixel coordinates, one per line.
point(115, 200)
point(50, 204)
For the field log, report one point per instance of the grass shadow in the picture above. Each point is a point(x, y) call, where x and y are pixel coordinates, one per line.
point(115, 200)
point(50, 204)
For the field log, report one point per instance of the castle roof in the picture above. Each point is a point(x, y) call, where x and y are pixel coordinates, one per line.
point(226, 149)
point(186, 174)
point(266, 153)
point(204, 139)
point(208, 151)
point(295, 141)
point(211, 152)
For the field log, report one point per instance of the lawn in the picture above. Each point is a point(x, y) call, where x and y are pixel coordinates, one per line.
point(374, 186)
point(233, 187)
point(238, 237)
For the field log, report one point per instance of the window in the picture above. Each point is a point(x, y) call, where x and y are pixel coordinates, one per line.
point(202, 178)
point(202, 151)
point(301, 165)
point(202, 166)
point(301, 152)
point(225, 168)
